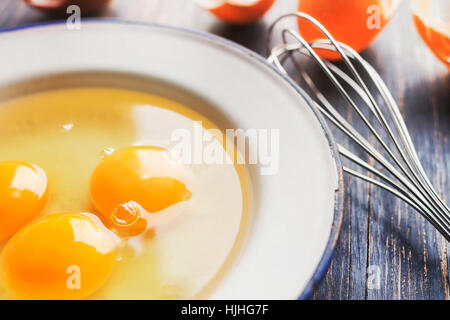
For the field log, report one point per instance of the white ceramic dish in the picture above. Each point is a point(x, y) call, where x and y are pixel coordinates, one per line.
point(296, 213)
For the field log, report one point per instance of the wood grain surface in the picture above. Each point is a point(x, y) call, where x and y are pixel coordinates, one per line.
point(380, 234)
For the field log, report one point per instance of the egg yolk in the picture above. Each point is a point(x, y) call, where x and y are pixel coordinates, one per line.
point(133, 181)
point(434, 31)
point(23, 195)
point(62, 256)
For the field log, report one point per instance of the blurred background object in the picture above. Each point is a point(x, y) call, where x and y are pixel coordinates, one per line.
point(355, 23)
point(60, 6)
point(432, 20)
point(237, 11)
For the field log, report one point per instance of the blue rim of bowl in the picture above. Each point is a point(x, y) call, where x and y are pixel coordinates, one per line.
point(325, 260)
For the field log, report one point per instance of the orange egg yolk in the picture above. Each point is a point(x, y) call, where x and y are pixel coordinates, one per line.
point(62, 256)
point(434, 31)
point(23, 195)
point(134, 181)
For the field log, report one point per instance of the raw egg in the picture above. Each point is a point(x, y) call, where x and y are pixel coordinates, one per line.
point(171, 225)
point(62, 256)
point(23, 194)
point(434, 30)
point(355, 23)
point(133, 181)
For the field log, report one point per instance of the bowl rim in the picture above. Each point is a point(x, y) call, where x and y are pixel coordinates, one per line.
point(339, 197)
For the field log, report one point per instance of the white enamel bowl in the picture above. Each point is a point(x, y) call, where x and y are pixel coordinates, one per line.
point(296, 213)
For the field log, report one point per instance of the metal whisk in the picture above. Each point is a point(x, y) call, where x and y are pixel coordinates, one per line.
point(406, 177)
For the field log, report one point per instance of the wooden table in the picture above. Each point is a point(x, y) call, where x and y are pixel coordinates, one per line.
point(379, 233)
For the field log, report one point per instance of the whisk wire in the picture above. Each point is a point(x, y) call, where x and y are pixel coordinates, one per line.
point(413, 185)
point(338, 85)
